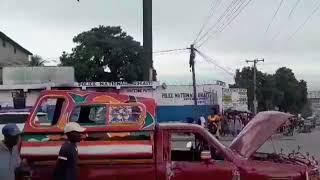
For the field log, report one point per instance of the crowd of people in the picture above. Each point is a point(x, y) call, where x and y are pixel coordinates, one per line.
point(229, 123)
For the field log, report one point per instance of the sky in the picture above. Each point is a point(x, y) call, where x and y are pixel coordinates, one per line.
point(46, 28)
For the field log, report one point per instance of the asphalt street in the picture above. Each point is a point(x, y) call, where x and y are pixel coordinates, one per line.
point(308, 142)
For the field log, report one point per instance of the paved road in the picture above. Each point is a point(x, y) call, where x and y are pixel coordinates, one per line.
point(308, 143)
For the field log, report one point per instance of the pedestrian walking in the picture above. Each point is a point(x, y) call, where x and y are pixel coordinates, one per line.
point(9, 154)
point(203, 122)
point(67, 163)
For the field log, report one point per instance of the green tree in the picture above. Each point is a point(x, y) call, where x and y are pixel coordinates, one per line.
point(106, 53)
point(281, 90)
point(37, 60)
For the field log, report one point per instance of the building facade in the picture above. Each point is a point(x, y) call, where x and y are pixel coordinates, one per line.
point(22, 86)
point(12, 54)
point(314, 99)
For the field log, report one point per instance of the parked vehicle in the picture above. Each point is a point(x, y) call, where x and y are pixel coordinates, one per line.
point(124, 142)
point(17, 117)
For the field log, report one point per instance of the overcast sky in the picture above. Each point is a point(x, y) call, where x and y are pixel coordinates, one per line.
point(46, 27)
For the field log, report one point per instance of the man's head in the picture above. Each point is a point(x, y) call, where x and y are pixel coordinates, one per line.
point(73, 131)
point(11, 134)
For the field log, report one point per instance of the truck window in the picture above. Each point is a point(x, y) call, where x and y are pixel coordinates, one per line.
point(89, 115)
point(188, 147)
point(49, 111)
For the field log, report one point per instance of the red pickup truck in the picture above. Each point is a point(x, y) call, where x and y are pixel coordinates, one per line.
point(123, 142)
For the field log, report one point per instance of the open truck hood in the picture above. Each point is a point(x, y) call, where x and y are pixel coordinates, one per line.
point(258, 131)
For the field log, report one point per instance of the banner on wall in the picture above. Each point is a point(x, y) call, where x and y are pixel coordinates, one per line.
point(235, 98)
point(183, 95)
point(120, 84)
point(138, 92)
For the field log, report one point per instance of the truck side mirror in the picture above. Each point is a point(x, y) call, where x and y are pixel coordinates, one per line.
point(206, 156)
point(189, 145)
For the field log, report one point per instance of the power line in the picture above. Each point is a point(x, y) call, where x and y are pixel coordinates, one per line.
point(170, 53)
point(169, 50)
point(234, 17)
point(234, 2)
point(222, 18)
point(274, 15)
point(288, 19)
point(231, 15)
point(228, 22)
point(214, 6)
point(210, 60)
point(305, 22)
point(293, 8)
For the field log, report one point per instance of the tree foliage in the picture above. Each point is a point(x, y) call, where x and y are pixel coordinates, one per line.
point(280, 90)
point(106, 53)
point(37, 60)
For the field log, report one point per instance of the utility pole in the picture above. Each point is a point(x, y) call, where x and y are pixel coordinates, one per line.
point(255, 102)
point(192, 63)
point(147, 37)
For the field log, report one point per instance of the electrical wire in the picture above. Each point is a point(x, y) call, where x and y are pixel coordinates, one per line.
point(214, 6)
point(233, 2)
point(293, 8)
point(210, 60)
point(170, 53)
point(236, 15)
point(305, 22)
point(170, 50)
point(288, 20)
point(228, 22)
point(274, 15)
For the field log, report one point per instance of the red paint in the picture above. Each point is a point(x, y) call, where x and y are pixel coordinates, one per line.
point(159, 166)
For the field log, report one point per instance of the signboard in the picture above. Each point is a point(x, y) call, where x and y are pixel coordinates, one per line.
point(235, 98)
point(120, 84)
point(183, 95)
point(138, 91)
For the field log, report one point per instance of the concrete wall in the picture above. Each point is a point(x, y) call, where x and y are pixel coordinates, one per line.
point(37, 75)
point(174, 103)
point(7, 101)
point(8, 56)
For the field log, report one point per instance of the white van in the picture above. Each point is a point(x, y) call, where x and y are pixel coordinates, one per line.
point(18, 118)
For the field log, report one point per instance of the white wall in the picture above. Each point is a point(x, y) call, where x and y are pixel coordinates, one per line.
point(32, 96)
point(37, 75)
point(6, 99)
point(175, 95)
point(172, 95)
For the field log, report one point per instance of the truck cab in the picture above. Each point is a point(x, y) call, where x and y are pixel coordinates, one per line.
point(123, 141)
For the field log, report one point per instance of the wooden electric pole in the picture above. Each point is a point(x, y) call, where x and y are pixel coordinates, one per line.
point(147, 37)
point(192, 63)
point(255, 102)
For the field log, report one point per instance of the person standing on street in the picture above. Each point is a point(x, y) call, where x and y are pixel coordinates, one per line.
point(9, 154)
point(67, 163)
